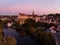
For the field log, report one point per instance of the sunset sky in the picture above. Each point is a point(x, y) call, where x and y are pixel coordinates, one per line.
point(27, 6)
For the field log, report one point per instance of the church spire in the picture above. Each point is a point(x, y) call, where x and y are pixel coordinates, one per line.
point(33, 13)
point(33, 17)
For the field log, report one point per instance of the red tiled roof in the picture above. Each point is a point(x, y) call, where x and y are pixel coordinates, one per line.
point(29, 15)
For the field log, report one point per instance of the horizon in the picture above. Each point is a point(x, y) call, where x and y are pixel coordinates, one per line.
point(27, 14)
point(40, 7)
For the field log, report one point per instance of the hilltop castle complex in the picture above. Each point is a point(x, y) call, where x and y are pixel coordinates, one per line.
point(51, 18)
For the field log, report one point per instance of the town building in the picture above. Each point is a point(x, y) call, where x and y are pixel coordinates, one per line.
point(23, 17)
point(51, 18)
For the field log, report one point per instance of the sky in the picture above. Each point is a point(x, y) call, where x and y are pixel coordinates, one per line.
point(40, 7)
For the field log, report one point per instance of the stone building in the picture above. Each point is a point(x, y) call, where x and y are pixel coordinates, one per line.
point(23, 17)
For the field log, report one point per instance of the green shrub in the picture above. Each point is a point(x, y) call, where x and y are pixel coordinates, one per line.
point(45, 38)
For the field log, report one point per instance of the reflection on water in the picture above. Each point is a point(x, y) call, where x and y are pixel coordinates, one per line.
point(26, 40)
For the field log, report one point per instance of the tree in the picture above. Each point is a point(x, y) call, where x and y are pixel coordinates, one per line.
point(30, 22)
point(45, 38)
point(10, 40)
point(16, 25)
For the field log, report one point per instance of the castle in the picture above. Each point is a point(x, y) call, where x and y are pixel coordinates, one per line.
point(51, 18)
point(23, 17)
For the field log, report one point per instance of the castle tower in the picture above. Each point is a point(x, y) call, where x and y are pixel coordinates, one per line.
point(33, 14)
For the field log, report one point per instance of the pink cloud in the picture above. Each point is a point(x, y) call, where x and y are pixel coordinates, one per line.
point(28, 8)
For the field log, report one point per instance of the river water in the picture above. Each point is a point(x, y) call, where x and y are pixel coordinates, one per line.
point(26, 40)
